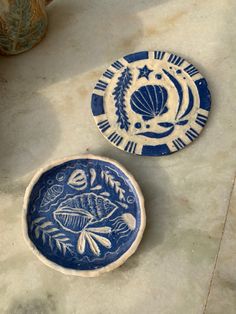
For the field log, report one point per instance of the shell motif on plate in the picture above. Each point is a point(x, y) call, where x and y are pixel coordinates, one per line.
point(149, 101)
point(90, 227)
point(78, 180)
point(51, 194)
point(77, 212)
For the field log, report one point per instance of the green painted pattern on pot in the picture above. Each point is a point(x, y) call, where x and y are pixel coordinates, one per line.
point(23, 24)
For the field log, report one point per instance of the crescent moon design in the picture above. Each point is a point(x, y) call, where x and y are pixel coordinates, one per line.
point(178, 88)
point(190, 103)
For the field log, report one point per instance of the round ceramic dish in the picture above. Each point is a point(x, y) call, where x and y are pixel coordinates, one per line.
point(151, 103)
point(84, 215)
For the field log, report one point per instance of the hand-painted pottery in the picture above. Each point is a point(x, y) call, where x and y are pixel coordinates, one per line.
point(23, 24)
point(84, 215)
point(151, 103)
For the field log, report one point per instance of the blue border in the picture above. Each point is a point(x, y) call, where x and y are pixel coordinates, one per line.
point(142, 55)
point(204, 94)
point(158, 150)
point(97, 105)
point(201, 85)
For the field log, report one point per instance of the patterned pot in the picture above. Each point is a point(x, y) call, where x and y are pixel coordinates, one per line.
point(23, 24)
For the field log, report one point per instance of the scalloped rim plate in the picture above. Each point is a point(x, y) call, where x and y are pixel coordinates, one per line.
point(94, 272)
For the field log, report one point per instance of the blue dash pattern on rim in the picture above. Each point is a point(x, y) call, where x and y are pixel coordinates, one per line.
point(151, 103)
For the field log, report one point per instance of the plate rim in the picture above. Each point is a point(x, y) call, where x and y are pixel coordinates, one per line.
point(137, 56)
point(83, 273)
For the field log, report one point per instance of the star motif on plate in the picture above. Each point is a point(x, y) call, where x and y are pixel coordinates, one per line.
point(144, 72)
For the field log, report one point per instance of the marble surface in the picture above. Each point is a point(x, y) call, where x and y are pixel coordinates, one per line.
point(223, 284)
point(186, 262)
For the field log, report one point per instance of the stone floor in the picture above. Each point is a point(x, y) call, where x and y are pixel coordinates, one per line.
point(186, 262)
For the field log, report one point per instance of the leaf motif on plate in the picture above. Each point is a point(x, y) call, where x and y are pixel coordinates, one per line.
point(46, 230)
point(183, 122)
point(166, 124)
point(93, 176)
point(113, 183)
point(92, 237)
point(81, 243)
point(92, 244)
point(102, 240)
point(122, 85)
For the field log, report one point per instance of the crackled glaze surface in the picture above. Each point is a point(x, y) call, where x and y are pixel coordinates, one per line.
point(151, 103)
point(84, 214)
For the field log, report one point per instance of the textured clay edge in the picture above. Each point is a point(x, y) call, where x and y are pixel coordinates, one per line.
point(84, 273)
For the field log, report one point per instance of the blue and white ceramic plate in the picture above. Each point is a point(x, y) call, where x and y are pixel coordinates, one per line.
point(151, 103)
point(84, 215)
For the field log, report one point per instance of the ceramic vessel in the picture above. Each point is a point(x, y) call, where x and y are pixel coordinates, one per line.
point(83, 215)
point(23, 24)
point(151, 103)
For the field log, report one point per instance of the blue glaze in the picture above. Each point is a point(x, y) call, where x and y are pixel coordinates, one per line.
point(159, 55)
point(97, 105)
point(191, 70)
point(175, 60)
point(201, 119)
point(101, 85)
point(204, 94)
point(142, 55)
point(158, 76)
point(104, 125)
point(149, 101)
point(182, 122)
point(178, 143)
point(190, 103)
point(166, 124)
point(178, 88)
point(155, 134)
point(117, 65)
point(83, 214)
point(159, 87)
point(123, 84)
point(158, 150)
point(138, 125)
point(144, 72)
point(130, 147)
point(192, 134)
